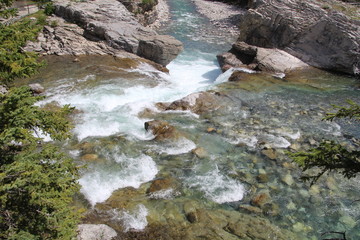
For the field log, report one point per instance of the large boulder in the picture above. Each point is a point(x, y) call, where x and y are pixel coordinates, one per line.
point(305, 29)
point(265, 59)
point(109, 20)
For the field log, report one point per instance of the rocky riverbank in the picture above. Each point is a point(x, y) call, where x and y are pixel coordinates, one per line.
point(316, 32)
point(103, 27)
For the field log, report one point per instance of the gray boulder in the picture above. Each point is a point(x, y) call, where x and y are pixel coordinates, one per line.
point(325, 39)
point(110, 21)
point(95, 232)
point(264, 59)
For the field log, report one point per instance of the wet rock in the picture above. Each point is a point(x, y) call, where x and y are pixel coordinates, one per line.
point(86, 147)
point(95, 231)
point(90, 157)
point(125, 198)
point(288, 179)
point(271, 209)
point(257, 228)
point(291, 206)
point(331, 183)
point(348, 221)
point(36, 88)
point(190, 211)
point(314, 190)
point(200, 152)
point(262, 178)
point(200, 102)
point(162, 184)
point(162, 130)
point(270, 153)
point(301, 227)
point(211, 130)
point(295, 146)
point(251, 209)
point(260, 199)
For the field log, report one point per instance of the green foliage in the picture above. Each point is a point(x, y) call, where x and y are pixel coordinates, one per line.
point(14, 62)
point(49, 9)
point(352, 112)
point(330, 156)
point(5, 10)
point(37, 181)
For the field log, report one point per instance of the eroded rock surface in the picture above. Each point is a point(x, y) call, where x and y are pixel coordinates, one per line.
point(111, 22)
point(321, 38)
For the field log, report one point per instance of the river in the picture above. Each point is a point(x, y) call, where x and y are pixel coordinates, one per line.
point(243, 143)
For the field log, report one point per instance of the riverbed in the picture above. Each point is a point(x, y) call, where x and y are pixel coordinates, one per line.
point(240, 177)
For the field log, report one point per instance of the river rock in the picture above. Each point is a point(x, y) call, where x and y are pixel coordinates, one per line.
point(90, 157)
point(260, 199)
point(110, 21)
point(199, 152)
point(36, 88)
point(162, 130)
point(325, 39)
point(200, 102)
point(95, 231)
point(162, 184)
point(288, 179)
point(251, 209)
point(264, 59)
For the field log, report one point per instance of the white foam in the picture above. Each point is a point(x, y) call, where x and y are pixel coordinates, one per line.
point(274, 141)
point(217, 187)
point(97, 185)
point(180, 146)
point(249, 141)
point(135, 220)
point(224, 77)
point(164, 194)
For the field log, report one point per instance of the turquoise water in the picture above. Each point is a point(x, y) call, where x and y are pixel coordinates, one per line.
point(256, 115)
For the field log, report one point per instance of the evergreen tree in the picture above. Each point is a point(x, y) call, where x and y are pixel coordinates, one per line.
point(330, 156)
point(37, 180)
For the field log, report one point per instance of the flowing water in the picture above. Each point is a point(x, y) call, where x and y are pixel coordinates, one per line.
point(262, 117)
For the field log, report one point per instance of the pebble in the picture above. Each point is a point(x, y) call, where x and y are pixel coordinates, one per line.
point(288, 179)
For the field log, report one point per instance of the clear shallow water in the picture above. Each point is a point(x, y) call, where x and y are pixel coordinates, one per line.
point(262, 112)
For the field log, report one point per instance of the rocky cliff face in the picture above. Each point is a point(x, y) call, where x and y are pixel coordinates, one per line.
point(110, 21)
point(305, 29)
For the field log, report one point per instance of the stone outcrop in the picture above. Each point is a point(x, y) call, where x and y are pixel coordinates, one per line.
point(110, 21)
point(264, 59)
point(320, 37)
point(64, 38)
